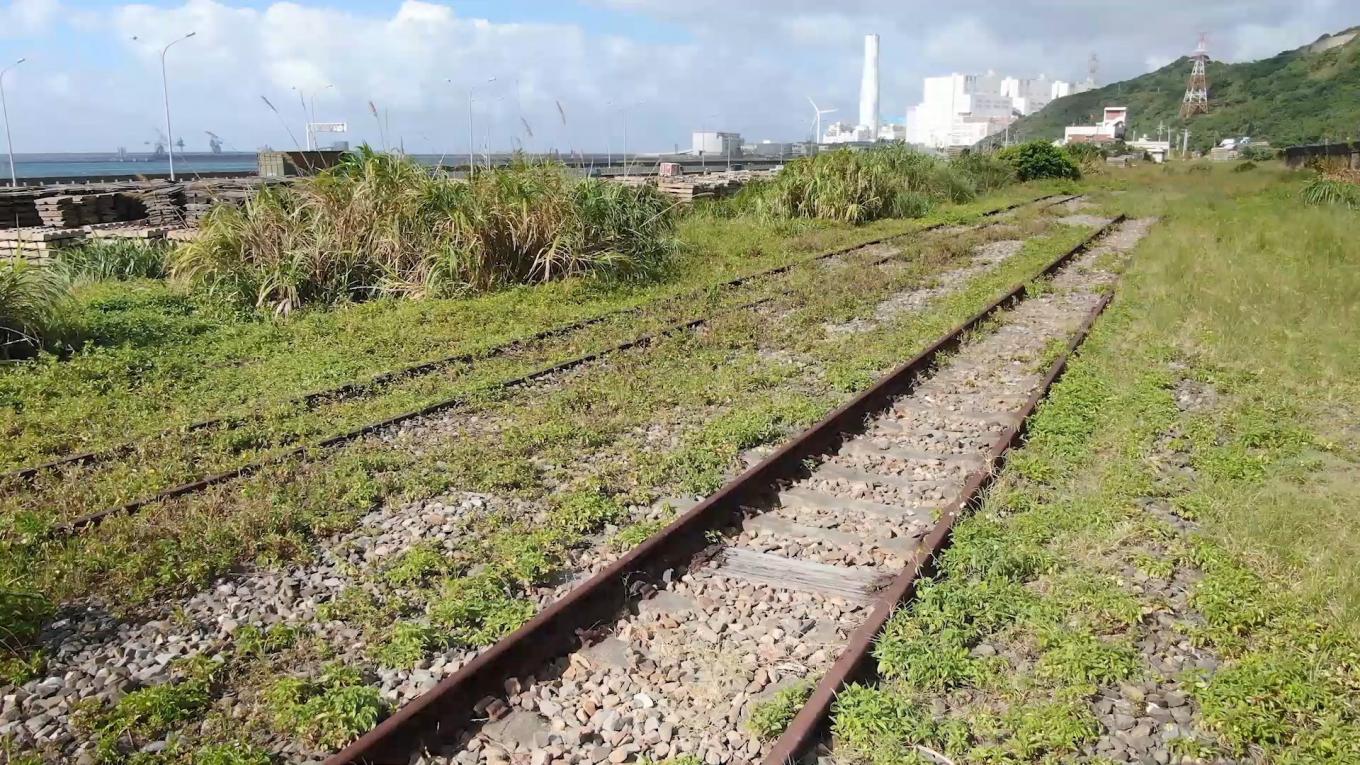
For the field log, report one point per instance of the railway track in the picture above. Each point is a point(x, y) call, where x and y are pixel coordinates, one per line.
point(306, 450)
point(783, 576)
point(377, 382)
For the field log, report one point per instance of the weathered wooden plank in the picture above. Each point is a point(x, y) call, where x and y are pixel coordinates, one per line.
point(817, 500)
point(865, 447)
point(834, 472)
point(852, 583)
point(783, 527)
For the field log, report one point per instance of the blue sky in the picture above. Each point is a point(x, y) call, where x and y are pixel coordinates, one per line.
point(659, 67)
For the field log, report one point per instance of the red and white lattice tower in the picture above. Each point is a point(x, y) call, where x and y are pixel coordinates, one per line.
point(1196, 100)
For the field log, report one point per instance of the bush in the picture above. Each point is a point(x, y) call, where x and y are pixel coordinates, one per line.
point(1039, 159)
point(380, 224)
point(1087, 156)
point(862, 186)
point(986, 171)
point(31, 300)
point(1326, 190)
point(1243, 167)
point(1256, 153)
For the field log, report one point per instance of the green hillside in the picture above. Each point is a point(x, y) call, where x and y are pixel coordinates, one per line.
point(1298, 96)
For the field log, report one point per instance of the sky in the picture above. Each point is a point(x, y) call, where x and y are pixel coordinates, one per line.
point(641, 72)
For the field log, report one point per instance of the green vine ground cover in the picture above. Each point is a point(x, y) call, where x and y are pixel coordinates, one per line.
point(1242, 291)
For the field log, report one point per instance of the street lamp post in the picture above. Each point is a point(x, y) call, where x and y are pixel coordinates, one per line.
point(13, 180)
point(165, 90)
point(472, 140)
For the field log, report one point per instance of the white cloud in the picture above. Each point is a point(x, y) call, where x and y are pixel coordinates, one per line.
point(25, 17)
point(746, 66)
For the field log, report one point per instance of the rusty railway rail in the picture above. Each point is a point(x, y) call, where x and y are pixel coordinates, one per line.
point(439, 715)
point(375, 382)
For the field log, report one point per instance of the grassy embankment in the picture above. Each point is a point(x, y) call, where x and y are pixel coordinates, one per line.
point(1204, 439)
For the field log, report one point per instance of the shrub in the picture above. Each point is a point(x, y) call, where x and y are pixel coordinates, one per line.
point(380, 224)
point(862, 186)
point(1325, 190)
point(1087, 156)
point(1039, 159)
point(1256, 153)
point(31, 300)
point(1243, 167)
point(986, 171)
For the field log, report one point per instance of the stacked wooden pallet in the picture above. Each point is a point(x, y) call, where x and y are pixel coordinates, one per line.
point(17, 209)
point(164, 204)
point(75, 210)
point(126, 231)
point(687, 188)
point(38, 243)
point(202, 196)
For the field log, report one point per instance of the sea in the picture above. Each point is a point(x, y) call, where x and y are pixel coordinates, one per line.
point(72, 165)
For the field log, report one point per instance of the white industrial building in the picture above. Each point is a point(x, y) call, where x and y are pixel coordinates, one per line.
point(715, 143)
point(962, 109)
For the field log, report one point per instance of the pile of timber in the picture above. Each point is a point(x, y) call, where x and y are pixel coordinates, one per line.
point(38, 243)
point(75, 210)
point(17, 209)
point(164, 204)
point(202, 196)
point(687, 188)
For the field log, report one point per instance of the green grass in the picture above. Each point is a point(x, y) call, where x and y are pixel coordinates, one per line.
point(769, 718)
point(326, 712)
point(156, 357)
point(1243, 288)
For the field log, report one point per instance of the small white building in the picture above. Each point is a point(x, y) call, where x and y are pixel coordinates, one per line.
point(1158, 150)
point(1113, 123)
point(714, 143)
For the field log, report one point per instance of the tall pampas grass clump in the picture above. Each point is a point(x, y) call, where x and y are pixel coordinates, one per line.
point(31, 300)
point(862, 186)
point(380, 224)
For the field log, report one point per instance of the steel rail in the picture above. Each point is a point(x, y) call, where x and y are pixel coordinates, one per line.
point(425, 367)
point(856, 663)
point(439, 714)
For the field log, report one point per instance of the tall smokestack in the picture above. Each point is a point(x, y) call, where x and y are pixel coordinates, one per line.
point(868, 89)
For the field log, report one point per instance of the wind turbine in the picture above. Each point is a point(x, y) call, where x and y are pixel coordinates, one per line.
point(817, 120)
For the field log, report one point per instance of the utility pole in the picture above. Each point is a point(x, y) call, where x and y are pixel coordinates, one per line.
point(13, 179)
point(165, 90)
